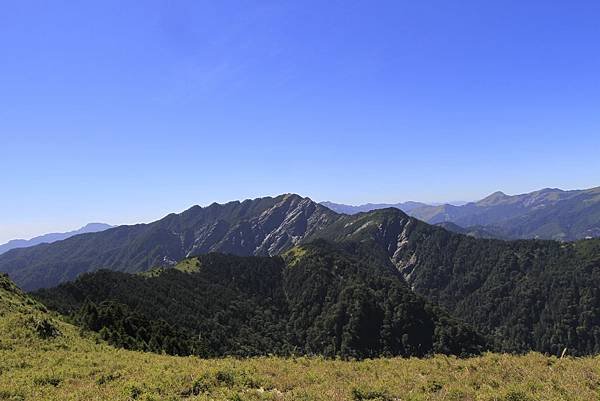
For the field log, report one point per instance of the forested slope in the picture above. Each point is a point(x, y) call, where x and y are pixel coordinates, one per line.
point(316, 299)
point(43, 358)
point(524, 295)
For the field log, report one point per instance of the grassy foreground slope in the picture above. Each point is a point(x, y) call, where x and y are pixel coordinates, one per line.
point(44, 358)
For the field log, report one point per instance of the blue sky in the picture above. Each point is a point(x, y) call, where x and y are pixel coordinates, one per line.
point(123, 111)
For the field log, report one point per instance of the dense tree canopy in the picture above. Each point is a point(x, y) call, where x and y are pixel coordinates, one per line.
point(522, 295)
point(525, 295)
point(317, 299)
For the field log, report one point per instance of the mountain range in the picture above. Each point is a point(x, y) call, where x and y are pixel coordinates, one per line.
point(263, 226)
point(549, 213)
point(519, 295)
point(272, 225)
point(406, 207)
point(52, 237)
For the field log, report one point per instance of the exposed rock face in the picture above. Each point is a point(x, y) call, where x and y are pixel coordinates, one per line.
point(276, 228)
point(289, 222)
point(390, 229)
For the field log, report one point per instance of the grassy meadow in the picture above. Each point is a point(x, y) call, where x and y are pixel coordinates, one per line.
point(45, 358)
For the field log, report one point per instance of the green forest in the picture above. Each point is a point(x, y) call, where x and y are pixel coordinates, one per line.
point(316, 299)
point(349, 300)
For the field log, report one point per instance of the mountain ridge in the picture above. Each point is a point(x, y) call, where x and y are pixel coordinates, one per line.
point(367, 207)
point(261, 226)
point(548, 213)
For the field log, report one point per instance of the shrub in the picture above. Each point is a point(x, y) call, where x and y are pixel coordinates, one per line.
point(47, 381)
point(44, 328)
point(202, 385)
point(133, 391)
point(433, 387)
point(225, 377)
point(107, 378)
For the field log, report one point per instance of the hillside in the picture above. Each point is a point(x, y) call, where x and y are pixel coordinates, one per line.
point(43, 358)
point(317, 299)
point(524, 295)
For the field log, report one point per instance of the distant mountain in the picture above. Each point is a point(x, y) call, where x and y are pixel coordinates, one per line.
point(349, 209)
point(455, 203)
point(547, 214)
point(53, 237)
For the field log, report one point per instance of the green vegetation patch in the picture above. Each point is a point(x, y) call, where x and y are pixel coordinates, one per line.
point(190, 265)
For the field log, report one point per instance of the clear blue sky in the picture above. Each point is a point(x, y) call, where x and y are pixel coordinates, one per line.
point(123, 111)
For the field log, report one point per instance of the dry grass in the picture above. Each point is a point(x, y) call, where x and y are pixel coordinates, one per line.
point(69, 367)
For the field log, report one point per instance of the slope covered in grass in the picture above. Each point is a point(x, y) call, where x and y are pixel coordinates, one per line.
point(38, 363)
